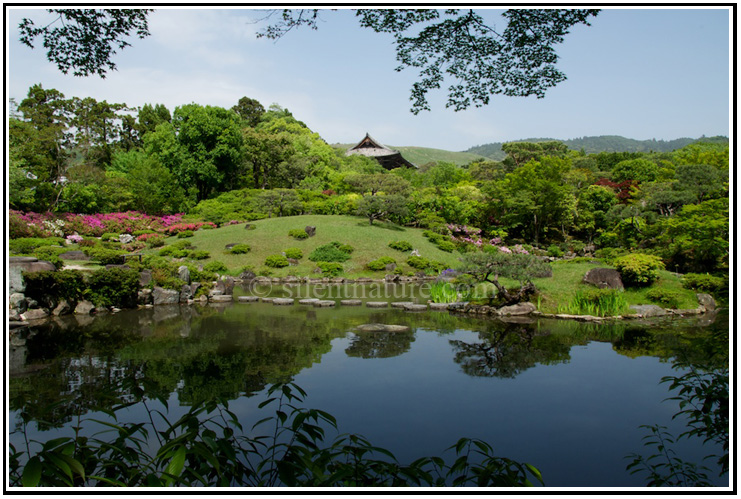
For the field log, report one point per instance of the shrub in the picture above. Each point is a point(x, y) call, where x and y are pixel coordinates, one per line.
point(115, 287)
point(608, 255)
point(89, 243)
point(174, 252)
point(704, 282)
point(667, 297)
point(447, 246)
point(424, 264)
point(165, 278)
point(298, 234)
point(105, 256)
point(239, 249)
point(51, 286)
point(109, 236)
point(554, 251)
point(330, 268)
point(401, 245)
point(638, 269)
point(156, 242)
point(26, 245)
point(380, 263)
point(332, 252)
point(134, 246)
point(199, 255)
point(185, 233)
point(215, 266)
point(183, 245)
point(434, 237)
point(294, 253)
point(276, 261)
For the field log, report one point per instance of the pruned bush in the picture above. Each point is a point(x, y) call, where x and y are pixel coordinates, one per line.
point(638, 269)
point(447, 246)
point(380, 263)
point(554, 251)
point(401, 245)
point(50, 286)
point(185, 233)
point(434, 237)
point(156, 242)
point(239, 249)
point(424, 264)
point(294, 253)
point(667, 297)
point(298, 234)
point(174, 252)
point(105, 256)
point(109, 236)
point(276, 261)
point(608, 255)
point(26, 245)
point(215, 266)
point(332, 252)
point(116, 287)
point(199, 255)
point(704, 282)
point(330, 268)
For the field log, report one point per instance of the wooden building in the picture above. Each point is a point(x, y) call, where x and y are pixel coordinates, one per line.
point(388, 158)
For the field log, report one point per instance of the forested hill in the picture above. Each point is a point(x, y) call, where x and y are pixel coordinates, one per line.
point(602, 143)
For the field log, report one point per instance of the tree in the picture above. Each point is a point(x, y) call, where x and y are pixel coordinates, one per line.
point(519, 153)
point(284, 201)
point(263, 154)
point(382, 206)
point(641, 170)
point(87, 39)
point(150, 116)
point(520, 61)
point(250, 110)
point(374, 183)
point(97, 126)
point(490, 266)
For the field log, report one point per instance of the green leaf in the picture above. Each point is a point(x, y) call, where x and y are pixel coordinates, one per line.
point(176, 464)
point(32, 472)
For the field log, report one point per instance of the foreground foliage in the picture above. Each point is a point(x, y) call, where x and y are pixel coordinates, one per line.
point(208, 446)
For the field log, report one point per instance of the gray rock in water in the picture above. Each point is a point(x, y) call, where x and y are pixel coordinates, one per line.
point(401, 304)
point(517, 309)
point(20, 264)
point(162, 296)
point(248, 299)
point(325, 303)
point(84, 308)
point(604, 278)
point(221, 298)
point(18, 301)
point(706, 301)
point(351, 303)
point(185, 293)
point(34, 314)
point(414, 307)
point(247, 276)
point(144, 297)
point(648, 310)
point(388, 328)
point(308, 301)
point(376, 304)
point(438, 306)
point(62, 308)
point(224, 286)
point(283, 301)
point(184, 274)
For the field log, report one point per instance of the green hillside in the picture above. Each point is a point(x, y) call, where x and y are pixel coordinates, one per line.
point(270, 237)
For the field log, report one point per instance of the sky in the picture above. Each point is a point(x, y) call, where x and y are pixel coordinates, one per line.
point(642, 73)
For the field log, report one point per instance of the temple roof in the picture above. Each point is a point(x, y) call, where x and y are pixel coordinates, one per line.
point(388, 158)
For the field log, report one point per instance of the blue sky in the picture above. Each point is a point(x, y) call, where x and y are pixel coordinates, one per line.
point(637, 72)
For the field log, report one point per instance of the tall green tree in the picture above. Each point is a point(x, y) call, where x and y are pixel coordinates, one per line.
point(250, 110)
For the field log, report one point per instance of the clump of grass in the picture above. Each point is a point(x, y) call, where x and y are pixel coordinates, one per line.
point(443, 292)
point(598, 302)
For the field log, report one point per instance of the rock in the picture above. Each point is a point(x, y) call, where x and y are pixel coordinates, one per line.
point(84, 308)
point(184, 274)
point(162, 296)
point(20, 264)
point(706, 301)
point(376, 304)
point(604, 278)
point(34, 314)
point(351, 303)
point(310, 230)
point(389, 328)
point(145, 277)
point(414, 307)
point(221, 298)
point(125, 238)
point(266, 300)
point(14, 315)
point(337, 280)
point(224, 286)
point(185, 293)
point(391, 278)
point(283, 301)
point(74, 255)
point(248, 299)
point(401, 304)
point(18, 301)
point(249, 227)
point(308, 301)
point(325, 303)
point(517, 309)
point(292, 262)
point(247, 276)
point(438, 306)
point(144, 297)
point(414, 253)
point(193, 288)
point(390, 267)
point(230, 246)
point(62, 308)
point(648, 310)
point(291, 279)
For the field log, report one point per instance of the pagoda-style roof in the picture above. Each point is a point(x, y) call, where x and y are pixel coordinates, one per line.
point(388, 158)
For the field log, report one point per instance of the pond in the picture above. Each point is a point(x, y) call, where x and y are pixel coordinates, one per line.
point(568, 397)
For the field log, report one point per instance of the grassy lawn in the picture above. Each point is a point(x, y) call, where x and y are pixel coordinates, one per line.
point(270, 237)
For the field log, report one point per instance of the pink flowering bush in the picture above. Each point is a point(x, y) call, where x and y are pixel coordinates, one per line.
point(177, 228)
point(47, 224)
point(75, 238)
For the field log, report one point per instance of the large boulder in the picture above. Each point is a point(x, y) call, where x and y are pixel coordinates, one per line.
point(310, 230)
point(648, 310)
point(162, 296)
point(247, 276)
point(18, 301)
point(604, 278)
point(387, 328)
point(224, 286)
point(517, 309)
point(62, 308)
point(84, 308)
point(706, 301)
point(34, 314)
point(184, 274)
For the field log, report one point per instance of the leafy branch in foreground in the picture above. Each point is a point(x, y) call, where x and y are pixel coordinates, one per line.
point(208, 446)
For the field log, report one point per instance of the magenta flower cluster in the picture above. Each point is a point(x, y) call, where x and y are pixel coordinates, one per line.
point(45, 224)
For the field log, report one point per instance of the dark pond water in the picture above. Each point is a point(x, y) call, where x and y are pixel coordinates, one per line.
point(567, 397)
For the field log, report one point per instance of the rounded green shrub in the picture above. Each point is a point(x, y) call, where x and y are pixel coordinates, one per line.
point(105, 256)
point(667, 297)
point(330, 268)
point(215, 266)
point(25, 245)
point(554, 251)
point(639, 269)
point(704, 282)
point(50, 286)
point(115, 287)
point(447, 246)
point(185, 233)
point(109, 236)
point(401, 245)
point(276, 261)
point(332, 252)
point(239, 249)
point(294, 253)
point(298, 234)
point(380, 263)
point(199, 255)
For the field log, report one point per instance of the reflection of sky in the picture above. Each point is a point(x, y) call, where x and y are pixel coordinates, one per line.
point(575, 420)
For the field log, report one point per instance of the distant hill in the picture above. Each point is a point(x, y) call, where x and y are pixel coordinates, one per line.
point(602, 143)
point(421, 155)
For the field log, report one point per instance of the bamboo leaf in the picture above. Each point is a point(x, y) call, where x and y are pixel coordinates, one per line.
point(32, 472)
